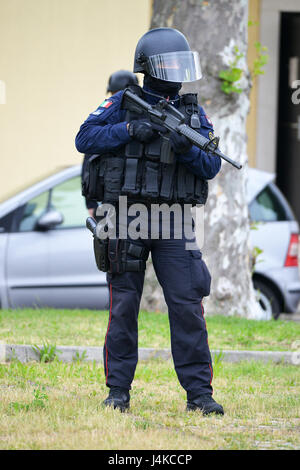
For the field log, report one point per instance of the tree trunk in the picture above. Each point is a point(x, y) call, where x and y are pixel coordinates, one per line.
point(215, 29)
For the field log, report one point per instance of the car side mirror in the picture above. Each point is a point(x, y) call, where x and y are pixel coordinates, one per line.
point(49, 220)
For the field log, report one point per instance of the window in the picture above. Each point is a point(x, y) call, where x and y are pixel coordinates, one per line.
point(32, 212)
point(67, 199)
point(266, 207)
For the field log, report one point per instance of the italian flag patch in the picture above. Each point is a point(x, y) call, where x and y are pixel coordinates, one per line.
point(106, 104)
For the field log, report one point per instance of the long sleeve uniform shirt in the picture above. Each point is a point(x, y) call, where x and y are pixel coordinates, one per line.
point(105, 129)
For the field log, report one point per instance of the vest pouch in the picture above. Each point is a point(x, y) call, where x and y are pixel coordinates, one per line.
point(132, 177)
point(113, 178)
point(167, 182)
point(134, 149)
point(152, 149)
point(93, 178)
point(181, 183)
point(150, 183)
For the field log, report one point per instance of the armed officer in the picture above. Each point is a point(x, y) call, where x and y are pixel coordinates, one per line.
point(130, 150)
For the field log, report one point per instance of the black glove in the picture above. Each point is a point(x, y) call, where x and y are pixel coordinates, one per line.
point(179, 143)
point(144, 131)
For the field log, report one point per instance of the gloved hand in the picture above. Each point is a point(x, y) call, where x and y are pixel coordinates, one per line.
point(143, 130)
point(179, 143)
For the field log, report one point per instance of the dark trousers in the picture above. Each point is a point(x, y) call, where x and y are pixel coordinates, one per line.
point(185, 280)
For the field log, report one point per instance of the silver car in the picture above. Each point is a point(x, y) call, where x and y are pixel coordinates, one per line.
point(45, 249)
point(47, 257)
point(274, 239)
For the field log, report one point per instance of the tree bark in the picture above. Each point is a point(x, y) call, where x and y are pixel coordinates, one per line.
point(214, 29)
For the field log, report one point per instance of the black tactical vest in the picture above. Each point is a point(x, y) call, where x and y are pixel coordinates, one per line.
point(136, 170)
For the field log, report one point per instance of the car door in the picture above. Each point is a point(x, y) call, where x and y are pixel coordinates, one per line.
point(27, 256)
point(274, 225)
point(56, 267)
point(74, 280)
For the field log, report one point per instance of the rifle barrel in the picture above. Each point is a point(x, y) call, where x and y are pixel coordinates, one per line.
point(202, 142)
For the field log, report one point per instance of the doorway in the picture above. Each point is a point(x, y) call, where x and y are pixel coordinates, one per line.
point(288, 124)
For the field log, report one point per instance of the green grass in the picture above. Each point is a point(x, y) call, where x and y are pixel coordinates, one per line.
point(88, 328)
point(58, 405)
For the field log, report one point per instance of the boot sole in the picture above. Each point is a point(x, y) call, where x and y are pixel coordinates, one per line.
point(204, 412)
point(115, 406)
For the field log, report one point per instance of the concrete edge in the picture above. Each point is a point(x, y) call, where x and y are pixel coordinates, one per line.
point(26, 353)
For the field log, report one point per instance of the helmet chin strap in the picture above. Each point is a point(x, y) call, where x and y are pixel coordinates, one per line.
point(162, 87)
point(168, 98)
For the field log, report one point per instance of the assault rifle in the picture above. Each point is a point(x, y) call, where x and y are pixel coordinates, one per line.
point(164, 114)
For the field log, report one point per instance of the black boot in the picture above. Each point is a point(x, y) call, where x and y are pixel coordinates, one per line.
point(206, 404)
point(118, 398)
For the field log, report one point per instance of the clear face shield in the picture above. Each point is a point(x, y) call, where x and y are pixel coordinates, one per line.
point(181, 66)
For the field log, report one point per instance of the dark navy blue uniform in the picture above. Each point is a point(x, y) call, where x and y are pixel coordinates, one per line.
point(183, 274)
point(105, 129)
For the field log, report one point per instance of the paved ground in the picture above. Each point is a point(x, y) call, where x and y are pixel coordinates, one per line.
point(290, 316)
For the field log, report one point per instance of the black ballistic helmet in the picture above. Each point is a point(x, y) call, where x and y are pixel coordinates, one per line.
point(165, 54)
point(120, 80)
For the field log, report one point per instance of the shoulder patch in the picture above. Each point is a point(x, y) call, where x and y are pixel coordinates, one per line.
point(208, 120)
point(106, 104)
point(97, 112)
point(103, 106)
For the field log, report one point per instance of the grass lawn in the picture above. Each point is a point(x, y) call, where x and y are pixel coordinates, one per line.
point(88, 328)
point(58, 406)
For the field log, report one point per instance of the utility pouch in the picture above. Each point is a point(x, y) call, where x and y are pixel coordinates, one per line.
point(152, 149)
point(93, 178)
point(167, 153)
point(150, 184)
point(101, 254)
point(125, 256)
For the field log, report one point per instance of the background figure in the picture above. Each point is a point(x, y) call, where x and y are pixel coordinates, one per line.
point(117, 81)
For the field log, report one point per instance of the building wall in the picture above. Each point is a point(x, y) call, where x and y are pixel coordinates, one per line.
point(55, 59)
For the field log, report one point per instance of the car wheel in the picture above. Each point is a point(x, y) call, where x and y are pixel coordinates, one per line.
point(267, 299)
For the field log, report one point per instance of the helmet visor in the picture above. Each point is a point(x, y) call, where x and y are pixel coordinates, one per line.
point(181, 66)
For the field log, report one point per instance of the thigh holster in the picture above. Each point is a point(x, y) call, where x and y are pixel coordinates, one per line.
point(101, 254)
point(126, 256)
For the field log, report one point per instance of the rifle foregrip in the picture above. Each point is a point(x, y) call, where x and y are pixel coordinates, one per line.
point(193, 136)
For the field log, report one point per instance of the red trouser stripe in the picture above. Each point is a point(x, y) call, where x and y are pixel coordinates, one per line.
point(210, 368)
point(110, 295)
